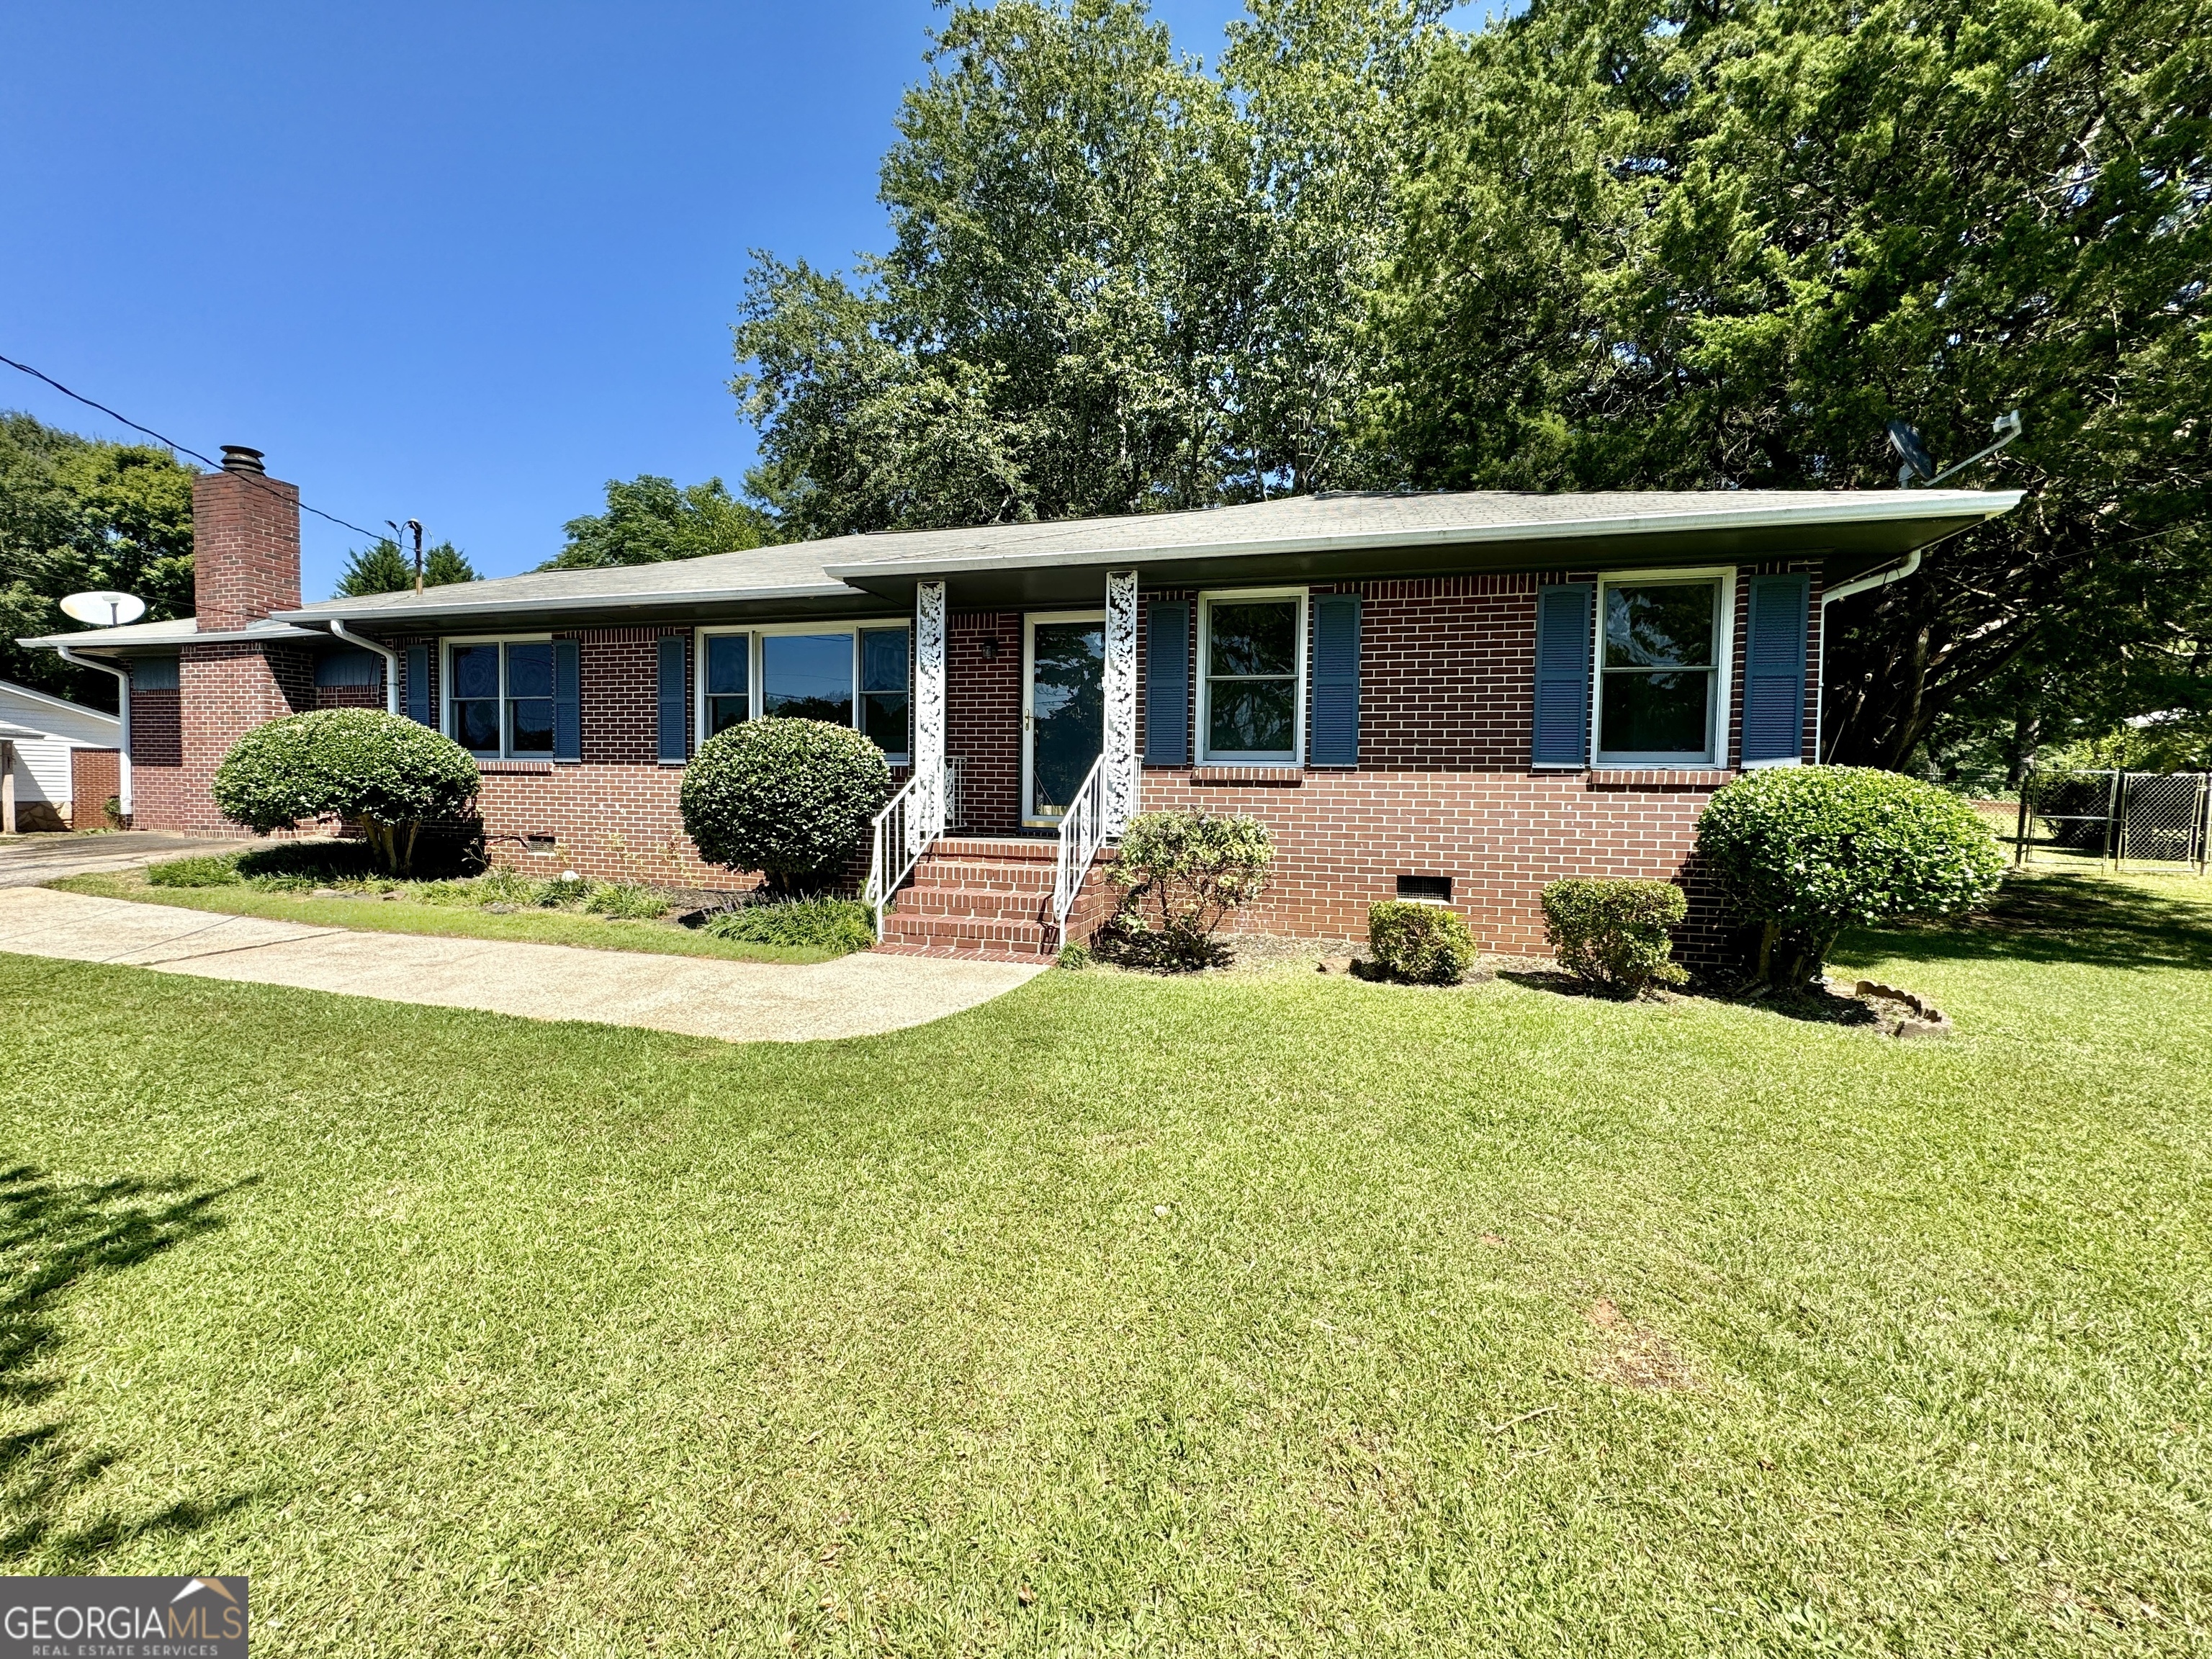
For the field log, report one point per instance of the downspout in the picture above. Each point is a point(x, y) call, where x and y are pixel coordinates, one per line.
point(122, 703)
point(391, 664)
point(1828, 597)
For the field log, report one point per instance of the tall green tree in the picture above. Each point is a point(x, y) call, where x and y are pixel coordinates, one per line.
point(385, 566)
point(78, 514)
point(649, 520)
point(1719, 245)
point(1116, 283)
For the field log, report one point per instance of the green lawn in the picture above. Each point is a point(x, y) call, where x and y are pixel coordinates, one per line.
point(1289, 1314)
point(402, 915)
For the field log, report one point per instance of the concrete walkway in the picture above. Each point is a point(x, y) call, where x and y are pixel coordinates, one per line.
point(27, 860)
point(737, 1001)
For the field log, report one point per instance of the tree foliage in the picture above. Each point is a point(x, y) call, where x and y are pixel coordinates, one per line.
point(650, 518)
point(78, 514)
point(1116, 283)
point(387, 568)
point(1719, 246)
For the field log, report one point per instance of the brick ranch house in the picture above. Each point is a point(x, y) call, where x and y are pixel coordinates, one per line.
point(1450, 697)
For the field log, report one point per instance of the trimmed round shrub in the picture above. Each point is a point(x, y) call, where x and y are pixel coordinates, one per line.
point(1180, 874)
point(1613, 934)
point(790, 799)
point(1805, 852)
point(1420, 943)
point(381, 771)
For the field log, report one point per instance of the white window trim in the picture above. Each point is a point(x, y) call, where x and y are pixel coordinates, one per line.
point(1203, 748)
point(1715, 758)
point(1030, 621)
point(755, 632)
point(445, 648)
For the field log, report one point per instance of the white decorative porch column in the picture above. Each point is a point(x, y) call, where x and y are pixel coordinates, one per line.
point(929, 693)
point(1120, 678)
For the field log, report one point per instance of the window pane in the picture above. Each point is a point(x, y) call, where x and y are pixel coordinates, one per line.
point(882, 660)
point(1255, 638)
point(476, 672)
point(884, 717)
point(1655, 715)
point(808, 677)
point(530, 670)
point(723, 712)
point(475, 725)
point(532, 732)
point(1251, 717)
point(726, 667)
point(1659, 626)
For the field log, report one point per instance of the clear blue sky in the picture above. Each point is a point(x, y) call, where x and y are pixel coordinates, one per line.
point(463, 263)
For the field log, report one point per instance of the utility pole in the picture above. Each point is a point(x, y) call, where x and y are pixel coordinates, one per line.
point(416, 524)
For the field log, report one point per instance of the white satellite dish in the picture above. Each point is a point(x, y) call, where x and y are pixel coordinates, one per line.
point(104, 608)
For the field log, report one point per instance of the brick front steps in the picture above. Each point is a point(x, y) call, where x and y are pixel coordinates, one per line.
point(989, 899)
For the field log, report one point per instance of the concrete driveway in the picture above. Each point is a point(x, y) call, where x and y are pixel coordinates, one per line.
point(737, 1002)
point(27, 860)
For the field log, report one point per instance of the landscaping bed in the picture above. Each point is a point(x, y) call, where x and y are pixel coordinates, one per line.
point(331, 884)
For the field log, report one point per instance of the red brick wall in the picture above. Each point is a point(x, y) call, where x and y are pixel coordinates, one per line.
point(224, 691)
point(983, 717)
point(349, 696)
point(245, 549)
point(95, 779)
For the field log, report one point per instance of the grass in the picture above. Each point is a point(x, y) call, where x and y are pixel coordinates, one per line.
point(407, 913)
point(1244, 1315)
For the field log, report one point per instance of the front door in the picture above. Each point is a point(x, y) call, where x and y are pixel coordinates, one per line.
point(1063, 712)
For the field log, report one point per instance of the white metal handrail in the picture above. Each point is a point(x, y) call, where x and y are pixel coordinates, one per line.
point(1082, 833)
point(910, 822)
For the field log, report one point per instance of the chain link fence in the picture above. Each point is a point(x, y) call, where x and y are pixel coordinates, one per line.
point(2113, 818)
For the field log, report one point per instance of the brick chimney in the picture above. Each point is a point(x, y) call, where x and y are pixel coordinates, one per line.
point(246, 543)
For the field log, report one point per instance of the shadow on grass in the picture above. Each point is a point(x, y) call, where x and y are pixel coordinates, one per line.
point(55, 1236)
point(2090, 920)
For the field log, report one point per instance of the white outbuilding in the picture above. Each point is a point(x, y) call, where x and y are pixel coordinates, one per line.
point(38, 734)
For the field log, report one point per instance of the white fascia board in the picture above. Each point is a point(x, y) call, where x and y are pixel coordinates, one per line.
point(1931, 504)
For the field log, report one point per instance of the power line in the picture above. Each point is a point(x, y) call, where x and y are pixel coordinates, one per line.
point(171, 443)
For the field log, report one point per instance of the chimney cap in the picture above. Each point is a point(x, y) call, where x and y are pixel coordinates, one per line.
point(237, 457)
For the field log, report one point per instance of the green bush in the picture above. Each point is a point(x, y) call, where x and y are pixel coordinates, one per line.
point(1613, 934)
point(196, 872)
point(842, 925)
point(1420, 944)
point(1806, 851)
point(790, 799)
point(627, 901)
point(1180, 874)
point(381, 771)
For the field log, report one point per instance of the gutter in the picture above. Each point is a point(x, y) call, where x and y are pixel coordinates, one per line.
point(122, 703)
point(405, 616)
point(1865, 584)
point(391, 663)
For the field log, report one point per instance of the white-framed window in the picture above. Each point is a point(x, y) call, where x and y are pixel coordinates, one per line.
point(1252, 676)
point(499, 696)
point(1664, 642)
point(855, 674)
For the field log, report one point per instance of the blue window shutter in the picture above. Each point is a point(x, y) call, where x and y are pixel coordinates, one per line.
point(1167, 684)
point(567, 703)
point(1561, 737)
point(418, 685)
point(673, 746)
point(1335, 739)
point(1774, 671)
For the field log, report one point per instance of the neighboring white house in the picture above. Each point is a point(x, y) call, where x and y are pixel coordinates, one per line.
point(37, 734)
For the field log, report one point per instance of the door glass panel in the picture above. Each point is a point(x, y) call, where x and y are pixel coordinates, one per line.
point(1068, 701)
point(807, 677)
